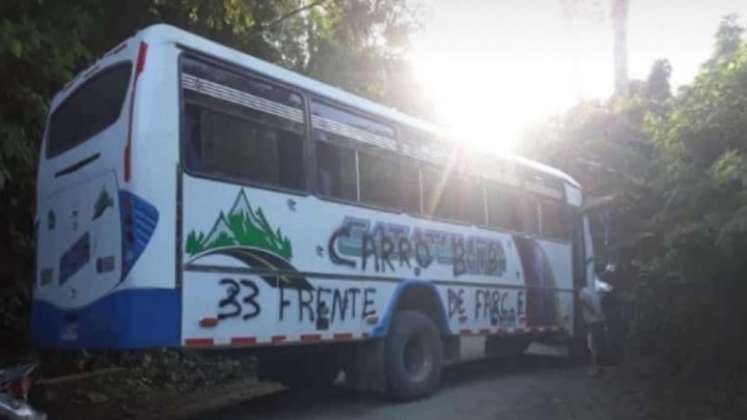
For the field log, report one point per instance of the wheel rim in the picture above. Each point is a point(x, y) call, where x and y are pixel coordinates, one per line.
point(418, 360)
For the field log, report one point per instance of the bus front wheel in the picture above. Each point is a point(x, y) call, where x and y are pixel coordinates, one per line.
point(413, 356)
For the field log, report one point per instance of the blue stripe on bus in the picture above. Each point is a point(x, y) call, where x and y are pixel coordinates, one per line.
point(125, 319)
point(139, 218)
point(382, 329)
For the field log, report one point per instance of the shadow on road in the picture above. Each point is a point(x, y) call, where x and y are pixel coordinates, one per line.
point(495, 368)
point(305, 403)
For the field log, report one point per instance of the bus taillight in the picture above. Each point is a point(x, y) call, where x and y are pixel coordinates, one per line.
point(139, 67)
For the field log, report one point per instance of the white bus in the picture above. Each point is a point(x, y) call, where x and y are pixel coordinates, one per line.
point(190, 195)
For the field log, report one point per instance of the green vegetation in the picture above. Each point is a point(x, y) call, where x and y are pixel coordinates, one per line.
point(676, 165)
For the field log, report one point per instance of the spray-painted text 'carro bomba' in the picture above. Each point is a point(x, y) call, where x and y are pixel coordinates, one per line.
point(207, 199)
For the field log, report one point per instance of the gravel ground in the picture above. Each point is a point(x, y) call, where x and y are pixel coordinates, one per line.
point(528, 388)
point(538, 386)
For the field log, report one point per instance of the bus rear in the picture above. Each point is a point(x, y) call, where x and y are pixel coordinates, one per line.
point(94, 218)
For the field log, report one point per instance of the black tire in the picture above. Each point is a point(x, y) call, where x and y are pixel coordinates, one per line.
point(413, 353)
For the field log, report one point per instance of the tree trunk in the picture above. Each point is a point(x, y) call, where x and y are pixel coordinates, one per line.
point(619, 27)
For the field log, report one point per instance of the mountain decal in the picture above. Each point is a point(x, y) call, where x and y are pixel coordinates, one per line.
point(245, 234)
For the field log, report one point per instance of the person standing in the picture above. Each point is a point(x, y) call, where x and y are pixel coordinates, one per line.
point(591, 310)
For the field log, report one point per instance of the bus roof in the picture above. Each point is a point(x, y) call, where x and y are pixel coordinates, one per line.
point(163, 33)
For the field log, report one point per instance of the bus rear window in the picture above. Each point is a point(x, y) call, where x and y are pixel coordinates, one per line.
point(93, 107)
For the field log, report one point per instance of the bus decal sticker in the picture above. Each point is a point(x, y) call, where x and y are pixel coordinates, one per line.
point(242, 226)
point(139, 221)
point(103, 202)
point(245, 235)
point(274, 270)
point(381, 247)
point(75, 258)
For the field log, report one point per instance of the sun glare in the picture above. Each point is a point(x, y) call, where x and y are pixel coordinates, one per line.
point(487, 103)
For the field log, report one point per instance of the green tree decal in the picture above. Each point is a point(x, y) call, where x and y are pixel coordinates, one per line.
point(242, 226)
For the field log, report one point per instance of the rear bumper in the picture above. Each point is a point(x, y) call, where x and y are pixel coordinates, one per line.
point(126, 319)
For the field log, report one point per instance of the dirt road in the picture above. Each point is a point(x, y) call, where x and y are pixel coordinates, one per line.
point(530, 388)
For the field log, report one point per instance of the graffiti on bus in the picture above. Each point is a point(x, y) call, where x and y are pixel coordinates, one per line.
point(387, 247)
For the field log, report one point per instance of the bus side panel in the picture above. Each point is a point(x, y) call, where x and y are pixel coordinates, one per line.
point(262, 267)
point(155, 159)
point(541, 300)
point(257, 270)
point(237, 309)
point(127, 319)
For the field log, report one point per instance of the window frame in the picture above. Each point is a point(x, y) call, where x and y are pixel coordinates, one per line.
point(460, 173)
point(391, 158)
point(519, 194)
point(355, 146)
point(317, 187)
point(245, 73)
point(403, 162)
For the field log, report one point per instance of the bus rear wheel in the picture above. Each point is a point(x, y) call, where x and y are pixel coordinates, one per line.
point(413, 356)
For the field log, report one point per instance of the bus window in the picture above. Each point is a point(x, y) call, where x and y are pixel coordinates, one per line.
point(504, 208)
point(335, 125)
point(242, 129)
point(93, 107)
point(452, 196)
point(379, 179)
point(224, 145)
point(439, 195)
point(472, 208)
point(336, 172)
point(409, 183)
point(350, 161)
point(530, 215)
point(557, 222)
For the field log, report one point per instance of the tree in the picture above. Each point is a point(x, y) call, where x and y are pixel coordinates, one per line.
point(40, 47)
point(676, 165)
point(572, 9)
point(728, 36)
point(657, 84)
point(620, 32)
point(702, 219)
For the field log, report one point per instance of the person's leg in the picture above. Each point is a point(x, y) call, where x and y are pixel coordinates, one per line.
point(594, 363)
point(593, 339)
